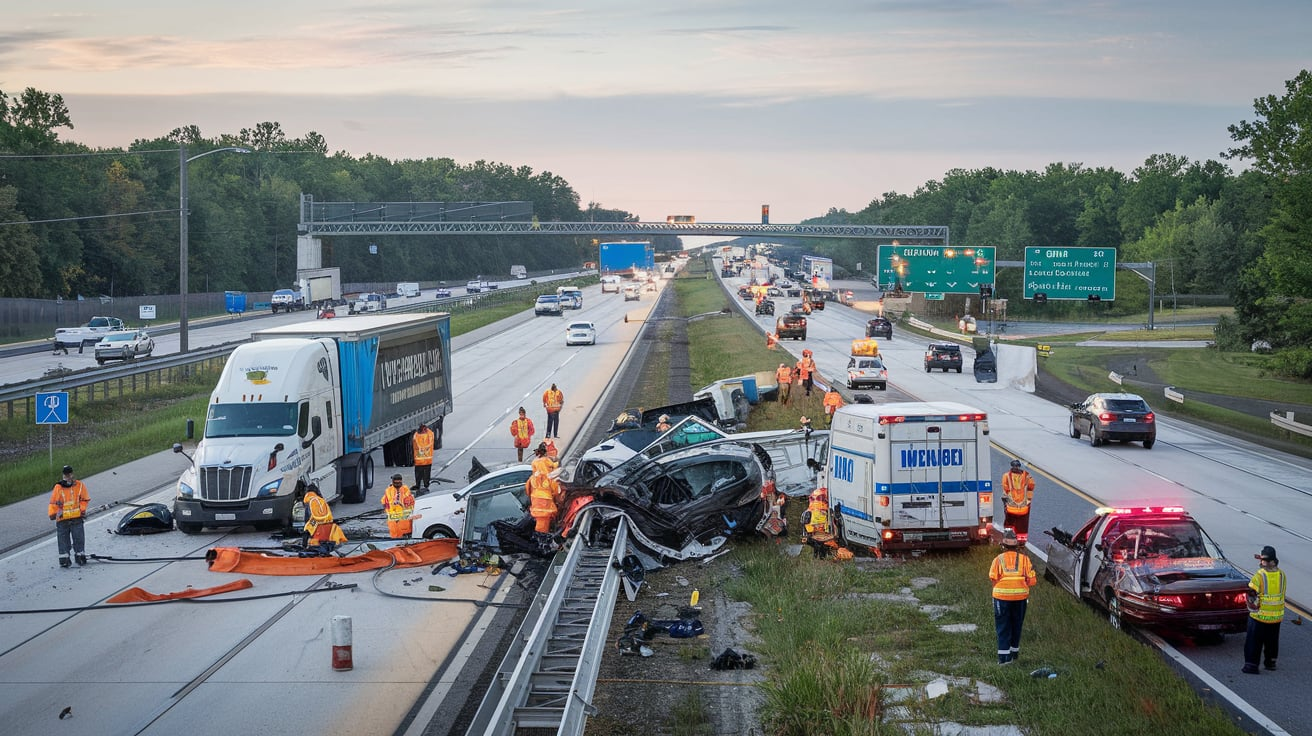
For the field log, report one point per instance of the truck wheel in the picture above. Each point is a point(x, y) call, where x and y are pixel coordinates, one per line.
point(366, 476)
point(188, 527)
point(349, 480)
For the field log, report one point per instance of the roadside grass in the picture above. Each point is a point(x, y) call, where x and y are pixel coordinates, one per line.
point(831, 651)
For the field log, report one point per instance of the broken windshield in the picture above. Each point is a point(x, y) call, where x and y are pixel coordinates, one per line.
point(251, 420)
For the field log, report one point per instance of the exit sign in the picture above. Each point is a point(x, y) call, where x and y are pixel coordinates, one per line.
point(1071, 273)
point(935, 269)
point(934, 296)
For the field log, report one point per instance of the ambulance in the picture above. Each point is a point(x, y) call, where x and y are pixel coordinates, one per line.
point(913, 475)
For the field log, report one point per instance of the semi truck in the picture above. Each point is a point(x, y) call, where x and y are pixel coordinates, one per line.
point(310, 403)
point(320, 287)
point(910, 475)
point(627, 258)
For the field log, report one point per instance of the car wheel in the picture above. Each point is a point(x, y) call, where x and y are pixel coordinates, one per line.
point(1114, 612)
point(883, 387)
point(1148, 444)
point(1074, 430)
point(438, 532)
point(851, 386)
point(100, 361)
point(1047, 575)
point(1094, 440)
point(928, 369)
point(958, 370)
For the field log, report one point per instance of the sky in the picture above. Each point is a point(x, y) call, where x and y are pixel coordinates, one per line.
point(708, 108)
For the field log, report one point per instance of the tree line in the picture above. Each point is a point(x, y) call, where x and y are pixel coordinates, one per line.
point(1209, 229)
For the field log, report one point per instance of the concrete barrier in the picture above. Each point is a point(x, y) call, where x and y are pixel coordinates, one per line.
point(1173, 394)
point(1114, 377)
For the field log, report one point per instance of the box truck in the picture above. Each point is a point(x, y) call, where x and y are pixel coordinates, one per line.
point(910, 475)
point(626, 259)
point(519, 272)
point(320, 287)
point(310, 402)
point(407, 289)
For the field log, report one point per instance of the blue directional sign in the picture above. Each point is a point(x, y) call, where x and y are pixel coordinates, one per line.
point(935, 269)
point(52, 407)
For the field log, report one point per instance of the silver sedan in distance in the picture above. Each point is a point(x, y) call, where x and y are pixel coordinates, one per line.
point(124, 345)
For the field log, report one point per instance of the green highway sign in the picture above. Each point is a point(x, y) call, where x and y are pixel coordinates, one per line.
point(1071, 273)
point(936, 269)
point(934, 297)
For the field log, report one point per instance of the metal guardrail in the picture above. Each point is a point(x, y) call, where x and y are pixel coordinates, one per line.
point(1286, 422)
point(89, 378)
point(551, 683)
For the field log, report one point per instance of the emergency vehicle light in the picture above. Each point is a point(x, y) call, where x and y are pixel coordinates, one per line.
point(1103, 510)
point(980, 417)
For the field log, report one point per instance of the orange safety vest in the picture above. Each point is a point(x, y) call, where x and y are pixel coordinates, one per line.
point(771, 340)
point(1012, 581)
point(521, 430)
point(833, 400)
point(783, 376)
point(423, 445)
point(544, 465)
point(317, 512)
point(805, 367)
point(553, 400)
point(542, 496)
point(68, 502)
point(398, 502)
point(1018, 491)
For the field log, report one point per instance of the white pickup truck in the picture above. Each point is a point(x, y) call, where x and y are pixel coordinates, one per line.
point(369, 302)
point(86, 335)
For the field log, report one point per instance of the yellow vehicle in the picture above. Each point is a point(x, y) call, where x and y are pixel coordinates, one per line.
point(865, 346)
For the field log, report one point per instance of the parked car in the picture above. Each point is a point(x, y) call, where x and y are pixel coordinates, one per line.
point(1114, 416)
point(790, 325)
point(1150, 567)
point(946, 355)
point(443, 515)
point(548, 304)
point(124, 345)
point(581, 333)
point(865, 370)
point(765, 306)
point(880, 327)
point(631, 293)
point(745, 293)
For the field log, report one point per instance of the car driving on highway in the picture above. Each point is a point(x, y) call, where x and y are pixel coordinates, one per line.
point(581, 333)
point(548, 304)
point(1114, 416)
point(790, 325)
point(946, 356)
point(879, 327)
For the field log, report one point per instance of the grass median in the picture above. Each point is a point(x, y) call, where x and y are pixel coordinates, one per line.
point(836, 640)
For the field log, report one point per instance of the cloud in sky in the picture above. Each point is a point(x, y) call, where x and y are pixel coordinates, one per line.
point(716, 106)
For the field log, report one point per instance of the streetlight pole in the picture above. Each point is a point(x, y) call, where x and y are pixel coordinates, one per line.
point(183, 216)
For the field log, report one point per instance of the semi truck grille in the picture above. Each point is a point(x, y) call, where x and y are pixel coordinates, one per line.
point(225, 483)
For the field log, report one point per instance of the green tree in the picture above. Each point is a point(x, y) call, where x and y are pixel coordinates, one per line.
point(20, 267)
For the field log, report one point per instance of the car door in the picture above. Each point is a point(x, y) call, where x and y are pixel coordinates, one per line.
point(1066, 559)
point(1080, 414)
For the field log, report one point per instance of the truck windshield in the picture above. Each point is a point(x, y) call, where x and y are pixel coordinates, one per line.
point(251, 420)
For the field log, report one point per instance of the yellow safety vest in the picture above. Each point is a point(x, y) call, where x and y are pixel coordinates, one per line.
point(318, 512)
point(1011, 582)
point(553, 400)
point(423, 444)
point(1270, 588)
point(399, 503)
point(819, 523)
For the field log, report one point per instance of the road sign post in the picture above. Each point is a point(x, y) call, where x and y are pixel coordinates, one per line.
point(52, 409)
point(1086, 274)
point(936, 269)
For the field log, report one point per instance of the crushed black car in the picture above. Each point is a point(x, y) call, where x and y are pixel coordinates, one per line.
point(879, 327)
point(765, 306)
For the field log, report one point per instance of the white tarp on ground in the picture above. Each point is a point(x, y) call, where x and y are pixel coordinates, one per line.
point(1017, 366)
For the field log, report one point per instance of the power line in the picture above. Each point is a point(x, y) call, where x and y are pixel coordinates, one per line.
point(87, 217)
point(88, 153)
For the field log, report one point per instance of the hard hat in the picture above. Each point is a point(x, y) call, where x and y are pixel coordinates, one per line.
point(1009, 539)
point(396, 476)
point(68, 469)
point(1015, 463)
point(806, 353)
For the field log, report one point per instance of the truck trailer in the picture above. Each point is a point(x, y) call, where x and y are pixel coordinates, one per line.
point(309, 403)
point(625, 259)
point(320, 287)
point(910, 475)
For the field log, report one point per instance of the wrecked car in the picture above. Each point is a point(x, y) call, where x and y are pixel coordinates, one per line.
point(1150, 567)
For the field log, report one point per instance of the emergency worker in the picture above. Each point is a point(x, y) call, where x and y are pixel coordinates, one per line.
point(1266, 609)
point(399, 504)
point(806, 371)
point(542, 493)
point(1013, 576)
point(552, 452)
point(817, 529)
point(68, 507)
point(320, 529)
point(521, 430)
point(542, 461)
point(422, 443)
point(552, 400)
point(783, 376)
point(771, 341)
point(1017, 493)
point(833, 401)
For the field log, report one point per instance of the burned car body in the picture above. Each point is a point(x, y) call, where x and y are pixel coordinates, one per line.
point(1154, 568)
point(682, 504)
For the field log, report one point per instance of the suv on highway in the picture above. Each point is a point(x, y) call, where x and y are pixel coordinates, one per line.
point(945, 355)
point(790, 325)
point(1114, 416)
point(879, 327)
point(548, 304)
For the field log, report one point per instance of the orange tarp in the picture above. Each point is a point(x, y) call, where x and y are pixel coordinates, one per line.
point(232, 559)
point(141, 595)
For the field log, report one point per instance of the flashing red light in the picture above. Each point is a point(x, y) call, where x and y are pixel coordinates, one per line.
point(884, 501)
point(1143, 510)
point(985, 499)
point(892, 420)
point(888, 535)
